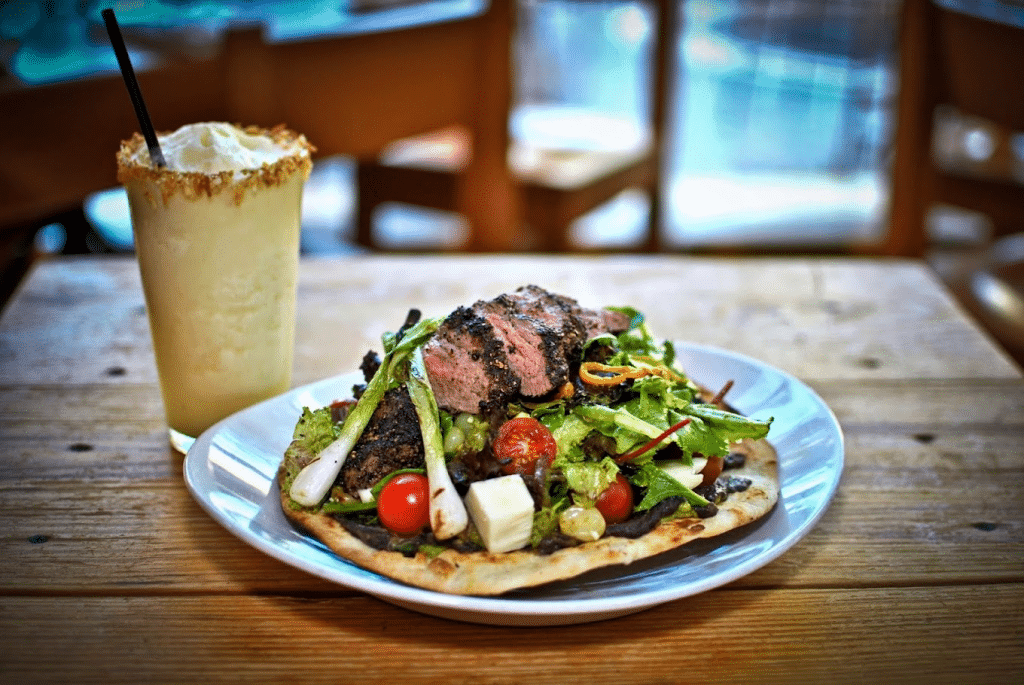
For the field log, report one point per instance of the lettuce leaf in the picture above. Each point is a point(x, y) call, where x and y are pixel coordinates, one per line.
point(315, 429)
point(659, 486)
point(569, 432)
point(589, 479)
point(732, 427)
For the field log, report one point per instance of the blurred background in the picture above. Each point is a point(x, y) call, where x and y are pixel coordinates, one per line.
point(778, 117)
point(779, 121)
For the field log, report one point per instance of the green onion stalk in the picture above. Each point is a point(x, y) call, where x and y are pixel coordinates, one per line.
point(313, 482)
point(448, 516)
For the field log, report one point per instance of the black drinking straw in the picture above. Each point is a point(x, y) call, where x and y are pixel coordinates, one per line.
point(123, 61)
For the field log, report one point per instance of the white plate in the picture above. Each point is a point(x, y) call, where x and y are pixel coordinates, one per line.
point(231, 472)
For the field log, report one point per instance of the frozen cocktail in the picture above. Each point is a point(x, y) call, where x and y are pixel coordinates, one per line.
point(217, 239)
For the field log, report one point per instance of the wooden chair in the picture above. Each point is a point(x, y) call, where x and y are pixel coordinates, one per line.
point(554, 186)
point(972, 64)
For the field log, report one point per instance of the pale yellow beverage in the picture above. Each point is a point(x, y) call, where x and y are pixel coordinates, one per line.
point(217, 238)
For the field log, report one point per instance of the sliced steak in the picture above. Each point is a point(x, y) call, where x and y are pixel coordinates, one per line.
point(532, 348)
point(558, 313)
point(575, 324)
point(598, 321)
point(391, 441)
point(519, 343)
point(563, 331)
point(467, 364)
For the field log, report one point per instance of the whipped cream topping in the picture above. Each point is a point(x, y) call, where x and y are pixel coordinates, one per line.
point(214, 147)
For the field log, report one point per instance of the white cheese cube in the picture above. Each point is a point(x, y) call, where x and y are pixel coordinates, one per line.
point(689, 476)
point(502, 510)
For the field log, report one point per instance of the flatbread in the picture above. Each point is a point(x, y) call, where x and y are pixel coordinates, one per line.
point(483, 573)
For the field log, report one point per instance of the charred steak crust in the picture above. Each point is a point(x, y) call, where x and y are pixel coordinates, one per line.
point(480, 358)
point(587, 323)
point(519, 343)
point(391, 441)
point(467, 364)
point(533, 349)
point(560, 313)
point(564, 330)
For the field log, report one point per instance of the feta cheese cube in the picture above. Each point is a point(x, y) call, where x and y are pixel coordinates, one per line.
point(502, 510)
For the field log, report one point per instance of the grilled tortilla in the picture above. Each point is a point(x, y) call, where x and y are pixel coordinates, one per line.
point(483, 573)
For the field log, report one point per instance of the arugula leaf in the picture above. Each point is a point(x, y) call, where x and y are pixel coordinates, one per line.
point(732, 426)
point(661, 485)
point(669, 357)
point(698, 436)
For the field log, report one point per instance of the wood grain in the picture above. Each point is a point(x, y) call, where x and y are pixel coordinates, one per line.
point(111, 572)
point(932, 487)
point(845, 319)
point(848, 638)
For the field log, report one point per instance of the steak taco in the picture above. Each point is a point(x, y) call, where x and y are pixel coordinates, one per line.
point(519, 441)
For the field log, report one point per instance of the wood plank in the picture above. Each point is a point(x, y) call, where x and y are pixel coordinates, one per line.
point(806, 636)
point(818, 319)
point(821, 319)
point(108, 431)
point(907, 512)
point(129, 538)
point(112, 432)
point(924, 404)
point(78, 320)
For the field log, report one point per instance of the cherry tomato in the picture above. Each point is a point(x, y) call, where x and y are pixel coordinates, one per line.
point(521, 442)
point(616, 502)
point(404, 504)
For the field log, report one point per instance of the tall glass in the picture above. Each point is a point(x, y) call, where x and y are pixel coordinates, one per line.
point(218, 255)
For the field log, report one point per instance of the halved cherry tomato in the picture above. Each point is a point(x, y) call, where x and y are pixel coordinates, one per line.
point(404, 504)
point(521, 442)
point(616, 501)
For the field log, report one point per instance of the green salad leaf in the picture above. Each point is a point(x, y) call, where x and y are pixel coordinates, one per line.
point(315, 429)
point(657, 402)
point(732, 426)
point(588, 479)
point(660, 486)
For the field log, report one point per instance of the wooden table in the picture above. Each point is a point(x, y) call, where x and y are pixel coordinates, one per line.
point(110, 572)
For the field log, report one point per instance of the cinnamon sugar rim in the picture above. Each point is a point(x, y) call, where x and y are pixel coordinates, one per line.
point(196, 184)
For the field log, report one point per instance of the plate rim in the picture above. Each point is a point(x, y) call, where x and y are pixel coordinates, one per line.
point(515, 610)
